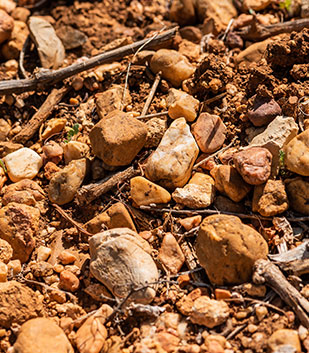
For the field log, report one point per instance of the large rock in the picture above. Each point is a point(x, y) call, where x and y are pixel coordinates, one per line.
point(120, 260)
point(209, 132)
point(172, 162)
point(6, 26)
point(42, 335)
point(296, 152)
point(117, 138)
point(18, 303)
point(227, 249)
point(18, 226)
point(284, 340)
point(65, 183)
point(182, 105)
point(49, 46)
point(264, 111)
point(298, 194)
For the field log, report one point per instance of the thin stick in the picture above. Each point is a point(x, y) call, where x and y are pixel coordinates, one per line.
point(22, 57)
point(149, 116)
point(151, 93)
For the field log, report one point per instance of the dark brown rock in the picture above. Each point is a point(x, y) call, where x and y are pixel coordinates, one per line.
point(264, 111)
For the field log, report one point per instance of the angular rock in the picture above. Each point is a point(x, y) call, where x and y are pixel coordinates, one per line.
point(71, 37)
point(42, 335)
point(174, 66)
point(171, 163)
point(296, 154)
point(229, 182)
point(170, 254)
point(119, 261)
point(18, 303)
point(227, 249)
point(284, 340)
point(298, 194)
point(156, 128)
point(209, 312)
point(195, 196)
point(18, 226)
point(144, 192)
point(53, 126)
point(270, 199)
point(65, 183)
point(264, 111)
point(75, 150)
point(190, 222)
point(201, 179)
point(117, 138)
point(6, 26)
point(182, 105)
point(116, 216)
point(12, 48)
point(49, 46)
point(6, 251)
point(253, 164)
point(22, 164)
point(209, 132)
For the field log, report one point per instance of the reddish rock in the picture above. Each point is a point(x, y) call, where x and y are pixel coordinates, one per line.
point(264, 111)
point(170, 254)
point(68, 281)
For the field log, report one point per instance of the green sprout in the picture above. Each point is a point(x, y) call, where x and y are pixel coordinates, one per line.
point(2, 165)
point(282, 162)
point(285, 4)
point(72, 132)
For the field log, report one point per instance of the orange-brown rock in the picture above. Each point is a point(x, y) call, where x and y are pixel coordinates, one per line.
point(170, 254)
point(68, 281)
point(298, 194)
point(6, 26)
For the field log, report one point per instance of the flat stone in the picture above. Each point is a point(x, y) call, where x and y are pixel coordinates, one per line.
point(195, 196)
point(227, 249)
point(284, 340)
point(12, 47)
point(120, 262)
point(170, 254)
point(182, 105)
point(6, 251)
point(298, 194)
point(6, 26)
point(23, 164)
point(75, 150)
point(117, 138)
point(270, 199)
point(264, 111)
point(42, 335)
point(50, 48)
point(209, 132)
point(171, 163)
point(253, 164)
point(229, 182)
point(71, 37)
point(65, 183)
point(18, 303)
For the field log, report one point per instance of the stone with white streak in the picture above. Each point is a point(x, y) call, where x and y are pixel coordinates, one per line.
point(172, 162)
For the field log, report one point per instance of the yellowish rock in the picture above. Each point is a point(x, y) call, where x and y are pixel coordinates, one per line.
point(170, 254)
point(195, 196)
point(74, 150)
point(298, 194)
point(53, 126)
point(14, 267)
point(285, 340)
point(144, 192)
point(201, 179)
point(182, 105)
point(3, 272)
point(43, 253)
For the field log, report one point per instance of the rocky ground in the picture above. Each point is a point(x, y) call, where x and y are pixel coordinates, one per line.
point(158, 201)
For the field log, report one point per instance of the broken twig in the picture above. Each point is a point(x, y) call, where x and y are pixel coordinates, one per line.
point(151, 93)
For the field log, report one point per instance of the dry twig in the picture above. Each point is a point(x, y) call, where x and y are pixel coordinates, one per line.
point(151, 93)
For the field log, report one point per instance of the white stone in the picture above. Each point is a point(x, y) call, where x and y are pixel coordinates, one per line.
point(43, 253)
point(22, 164)
point(195, 196)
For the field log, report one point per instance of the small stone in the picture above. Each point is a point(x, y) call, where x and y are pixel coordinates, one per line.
point(143, 57)
point(190, 222)
point(50, 169)
point(21, 14)
point(49, 46)
point(7, 5)
point(53, 126)
point(190, 50)
point(270, 199)
point(117, 138)
point(98, 292)
point(42, 333)
point(264, 111)
point(195, 196)
point(182, 12)
point(116, 216)
point(284, 339)
point(222, 294)
point(227, 249)
point(252, 328)
point(182, 105)
point(254, 165)
point(156, 128)
point(298, 194)
point(66, 257)
point(75, 150)
point(254, 290)
point(5, 128)
point(174, 66)
point(65, 183)
point(209, 312)
point(256, 5)
point(171, 163)
point(170, 254)
point(6, 251)
point(191, 33)
point(229, 182)
point(14, 267)
point(71, 37)
point(43, 253)
point(7, 147)
point(6, 26)
point(209, 132)
point(224, 204)
point(3, 272)
point(185, 304)
point(52, 152)
point(22, 164)
point(302, 332)
point(41, 269)
point(201, 179)
point(261, 312)
point(68, 281)
point(252, 54)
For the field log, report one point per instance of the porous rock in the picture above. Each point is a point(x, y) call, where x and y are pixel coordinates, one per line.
point(284, 340)
point(195, 196)
point(298, 194)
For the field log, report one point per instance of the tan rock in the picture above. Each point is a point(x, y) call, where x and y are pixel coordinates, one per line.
point(18, 304)
point(229, 182)
point(172, 162)
point(156, 128)
point(75, 150)
point(298, 194)
point(185, 304)
point(42, 335)
point(3, 272)
point(183, 12)
point(52, 152)
point(18, 226)
point(5, 128)
point(14, 267)
point(182, 105)
point(167, 341)
point(53, 126)
point(7, 5)
point(6, 251)
point(256, 5)
point(201, 179)
point(116, 216)
point(190, 222)
point(253, 53)
point(209, 132)
point(195, 196)
point(270, 199)
point(21, 14)
point(6, 25)
point(227, 249)
point(12, 48)
point(296, 157)
point(144, 192)
point(209, 312)
point(174, 66)
point(170, 254)
point(284, 339)
point(68, 281)
point(43, 253)
point(7, 147)
point(190, 50)
point(65, 183)
point(117, 138)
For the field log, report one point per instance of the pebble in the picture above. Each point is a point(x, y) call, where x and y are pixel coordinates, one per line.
point(43, 253)
point(53, 126)
point(182, 105)
point(201, 179)
point(222, 294)
point(190, 222)
point(253, 164)
point(171, 163)
point(75, 150)
point(52, 152)
point(227, 249)
point(65, 183)
point(120, 262)
point(22, 164)
point(6, 251)
point(298, 194)
point(71, 38)
point(195, 196)
point(21, 14)
point(5, 128)
point(223, 203)
point(229, 182)
point(14, 267)
point(41, 334)
point(170, 254)
point(209, 132)
point(182, 12)
point(66, 257)
point(264, 111)
point(11, 48)
point(7, 5)
point(50, 48)
point(185, 304)
point(3, 272)
point(156, 128)
point(270, 199)
point(209, 312)
point(117, 138)
point(261, 312)
point(191, 33)
point(284, 340)
point(174, 66)
point(6, 26)
point(68, 281)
